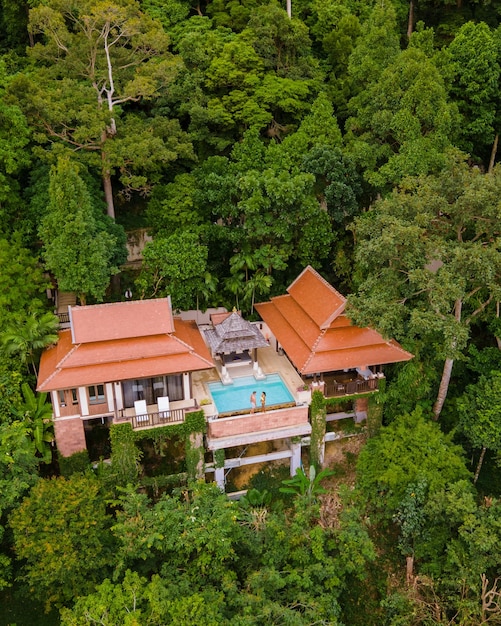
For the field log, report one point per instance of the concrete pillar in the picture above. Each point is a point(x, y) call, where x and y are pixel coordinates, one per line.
point(55, 403)
point(186, 386)
point(219, 477)
point(295, 458)
point(361, 406)
point(82, 397)
point(109, 397)
point(119, 401)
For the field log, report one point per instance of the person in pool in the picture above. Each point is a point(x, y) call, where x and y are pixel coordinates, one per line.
point(253, 401)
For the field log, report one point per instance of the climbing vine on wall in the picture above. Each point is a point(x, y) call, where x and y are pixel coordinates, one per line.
point(317, 416)
point(126, 455)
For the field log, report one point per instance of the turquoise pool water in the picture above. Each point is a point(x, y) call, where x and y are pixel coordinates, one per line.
point(236, 397)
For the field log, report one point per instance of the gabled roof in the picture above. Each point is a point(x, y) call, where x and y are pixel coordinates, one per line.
point(309, 323)
point(319, 300)
point(234, 334)
point(113, 354)
point(121, 320)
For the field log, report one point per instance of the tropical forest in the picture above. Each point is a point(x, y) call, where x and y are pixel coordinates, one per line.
point(241, 141)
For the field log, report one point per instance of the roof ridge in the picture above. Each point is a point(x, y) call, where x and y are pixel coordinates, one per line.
point(59, 364)
point(313, 348)
point(121, 302)
point(191, 349)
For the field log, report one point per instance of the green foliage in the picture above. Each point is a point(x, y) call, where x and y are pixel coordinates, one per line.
point(219, 458)
point(61, 535)
point(173, 266)
point(474, 58)
point(36, 413)
point(307, 486)
point(318, 425)
point(411, 448)
point(77, 249)
point(479, 412)
point(22, 283)
point(195, 422)
point(125, 455)
point(18, 472)
point(410, 516)
point(10, 384)
point(77, 463)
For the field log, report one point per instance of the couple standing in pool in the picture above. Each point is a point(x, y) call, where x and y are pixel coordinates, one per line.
point(253, 401)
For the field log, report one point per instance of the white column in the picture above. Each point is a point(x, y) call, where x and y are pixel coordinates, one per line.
point(186, 386)
point(109, 396)
point(219, 477)
point(295, 458)
point(82, 397)
point(119, 399)
point(55, 403)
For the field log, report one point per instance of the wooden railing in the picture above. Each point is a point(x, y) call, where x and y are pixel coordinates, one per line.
point(335, 389)
point(64, 319)
point(152, 419)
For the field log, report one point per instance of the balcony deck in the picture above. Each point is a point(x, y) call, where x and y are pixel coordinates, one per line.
point(153, 418)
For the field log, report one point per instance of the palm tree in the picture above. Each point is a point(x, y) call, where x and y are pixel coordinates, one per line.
point(36, 413)
point(259, 283)
point(25, 340)
point(234, 284)
point(206, 289)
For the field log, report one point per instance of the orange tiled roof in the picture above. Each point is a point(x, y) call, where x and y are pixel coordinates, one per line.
point(121, 320)
point(69, 364)
point(310, 325)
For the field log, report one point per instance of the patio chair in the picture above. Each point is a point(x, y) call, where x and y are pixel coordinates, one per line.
point(141, 410)
point(163, 406)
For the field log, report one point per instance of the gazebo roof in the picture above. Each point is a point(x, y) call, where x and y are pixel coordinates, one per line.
point(234, 334)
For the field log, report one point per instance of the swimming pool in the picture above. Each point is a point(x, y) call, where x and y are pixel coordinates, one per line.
point(236, 397)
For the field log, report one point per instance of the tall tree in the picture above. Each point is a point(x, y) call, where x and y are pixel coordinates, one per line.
point(430, 259)
point(94, 58)
point(77, 249)
point(480, 415)
point(61, 532)
point(403, 123)
point(411, 449)
point(475, 69)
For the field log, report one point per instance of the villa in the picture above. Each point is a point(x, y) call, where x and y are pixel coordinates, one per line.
point(327, 350)
point(136, 362)
point(125, 361)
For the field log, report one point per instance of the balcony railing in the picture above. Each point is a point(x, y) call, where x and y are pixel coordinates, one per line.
point(64, 320)
point(164, 418)
point(335, 389)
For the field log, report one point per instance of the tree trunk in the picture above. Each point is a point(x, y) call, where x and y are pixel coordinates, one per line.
point(447, 371)
point(289, 8)
point(479, 465)
point(409, 561)
point(444, 387)
point(108, 194)
point(410, 22)
point(493, 154)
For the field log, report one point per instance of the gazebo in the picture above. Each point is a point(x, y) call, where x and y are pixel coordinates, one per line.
point(234, 340)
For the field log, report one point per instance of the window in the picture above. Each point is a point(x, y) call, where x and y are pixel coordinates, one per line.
point(96, 394)
point(62, 399)
point(74, 396)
